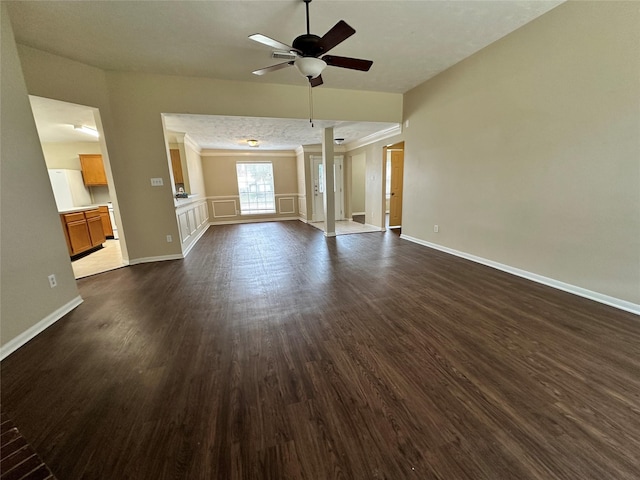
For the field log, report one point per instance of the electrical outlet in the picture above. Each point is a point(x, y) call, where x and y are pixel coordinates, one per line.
point(52, 281)
point(406, 124)
point(169, 239)
point(435, 229)
point(157, 182)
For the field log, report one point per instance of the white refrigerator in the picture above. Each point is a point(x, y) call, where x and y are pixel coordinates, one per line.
point(69, 189)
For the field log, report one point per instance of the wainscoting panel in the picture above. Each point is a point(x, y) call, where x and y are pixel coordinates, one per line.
point(286, 205)
point(183, 223)
point(224, 208)
point(193, 221)
point(302, 206)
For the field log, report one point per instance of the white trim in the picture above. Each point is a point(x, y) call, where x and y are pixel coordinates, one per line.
point(243, 153)
point(374, 137)
point(550, 282)
point(195, 240)
point(303, 220)
point(160, 258)
point(293, 204)
point(311, 149)
point(358, 213)
point(254, 220)
point(17, 342)
point(220, 197)
point(286, 194)
point(189, 142)
point(235, 207)
point(330, 234)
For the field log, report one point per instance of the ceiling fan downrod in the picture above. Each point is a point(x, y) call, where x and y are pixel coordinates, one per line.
point(306, 4)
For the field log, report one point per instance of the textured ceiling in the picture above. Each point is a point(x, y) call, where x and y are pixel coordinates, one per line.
point(273, 133)
point(409, 41)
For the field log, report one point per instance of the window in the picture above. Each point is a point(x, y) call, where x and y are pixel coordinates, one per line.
point(255, 186)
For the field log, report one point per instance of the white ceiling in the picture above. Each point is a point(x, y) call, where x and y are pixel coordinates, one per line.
point(409, 41)
point(55, 120)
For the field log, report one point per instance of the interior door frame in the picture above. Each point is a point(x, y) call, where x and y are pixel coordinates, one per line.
point(317, 214)
point(394, 183)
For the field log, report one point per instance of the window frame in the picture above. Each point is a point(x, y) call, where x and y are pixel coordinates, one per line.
point(264, 201)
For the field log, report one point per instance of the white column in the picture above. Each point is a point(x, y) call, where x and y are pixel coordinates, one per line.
point(329, 184)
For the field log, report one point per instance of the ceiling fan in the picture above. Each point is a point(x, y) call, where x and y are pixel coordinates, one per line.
point(308, 52)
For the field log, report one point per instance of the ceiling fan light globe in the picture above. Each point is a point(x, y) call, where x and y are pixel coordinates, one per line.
point(310, 67)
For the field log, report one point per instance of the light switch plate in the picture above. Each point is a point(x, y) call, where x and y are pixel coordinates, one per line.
point(157, 182)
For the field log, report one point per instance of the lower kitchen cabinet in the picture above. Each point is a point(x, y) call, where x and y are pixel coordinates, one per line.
point(106, 221)
point(82, 230)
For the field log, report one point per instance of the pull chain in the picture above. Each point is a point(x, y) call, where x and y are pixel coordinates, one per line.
point(310, 105)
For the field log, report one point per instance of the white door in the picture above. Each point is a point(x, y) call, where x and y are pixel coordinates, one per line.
point(317, 168)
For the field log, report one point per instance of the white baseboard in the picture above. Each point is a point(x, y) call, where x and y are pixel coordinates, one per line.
point(255, 220)
point(358, 213)
point(550, 282)
point(15, 343)
point(161, 258)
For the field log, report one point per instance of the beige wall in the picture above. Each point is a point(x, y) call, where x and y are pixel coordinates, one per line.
point(65, 155)
point(375, 175)
point(527, 153)
point(194, 170)
point(221, 185)
point(33, 245)
point(301, 173)
point(358, 178)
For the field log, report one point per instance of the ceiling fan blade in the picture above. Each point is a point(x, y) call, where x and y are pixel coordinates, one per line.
point(270, 42)
point(272, 68)
point(316, 82)
point(346, 62)
point(338, 34)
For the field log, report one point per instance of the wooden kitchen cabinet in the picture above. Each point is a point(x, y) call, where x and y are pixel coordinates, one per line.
point(176, 166)
point(76, 232)
point(94, 224)
point(93, 170)
point(106, 222)
point(82, 230)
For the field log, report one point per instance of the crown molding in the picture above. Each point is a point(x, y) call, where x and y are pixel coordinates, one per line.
point(245, 153)
point(318, 149)
point(374, 137)
point(190, 142)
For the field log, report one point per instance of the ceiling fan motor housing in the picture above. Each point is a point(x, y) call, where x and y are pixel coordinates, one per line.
point(309, 45)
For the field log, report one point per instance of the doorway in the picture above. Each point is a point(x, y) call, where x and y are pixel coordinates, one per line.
point(395, 174)
point(76, 158)
point(317, 167)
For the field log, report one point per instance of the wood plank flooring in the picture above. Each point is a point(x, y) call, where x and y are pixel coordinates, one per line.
point(272, 352)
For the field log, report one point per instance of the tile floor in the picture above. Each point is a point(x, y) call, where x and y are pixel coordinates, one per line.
point(347, 227)
point(107, 258)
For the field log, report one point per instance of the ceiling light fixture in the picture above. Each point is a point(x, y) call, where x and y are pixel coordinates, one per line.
point(252, 143)
point(88, 130)
point(310, 67)
point(339, 141)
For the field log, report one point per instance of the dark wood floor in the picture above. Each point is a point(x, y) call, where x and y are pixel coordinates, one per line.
point(273, 352)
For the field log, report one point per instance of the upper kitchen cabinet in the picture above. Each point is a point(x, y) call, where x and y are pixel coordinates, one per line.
point(176, 166)
point(93, 170)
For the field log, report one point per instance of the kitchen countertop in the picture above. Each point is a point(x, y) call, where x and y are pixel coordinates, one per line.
point(82, 209)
